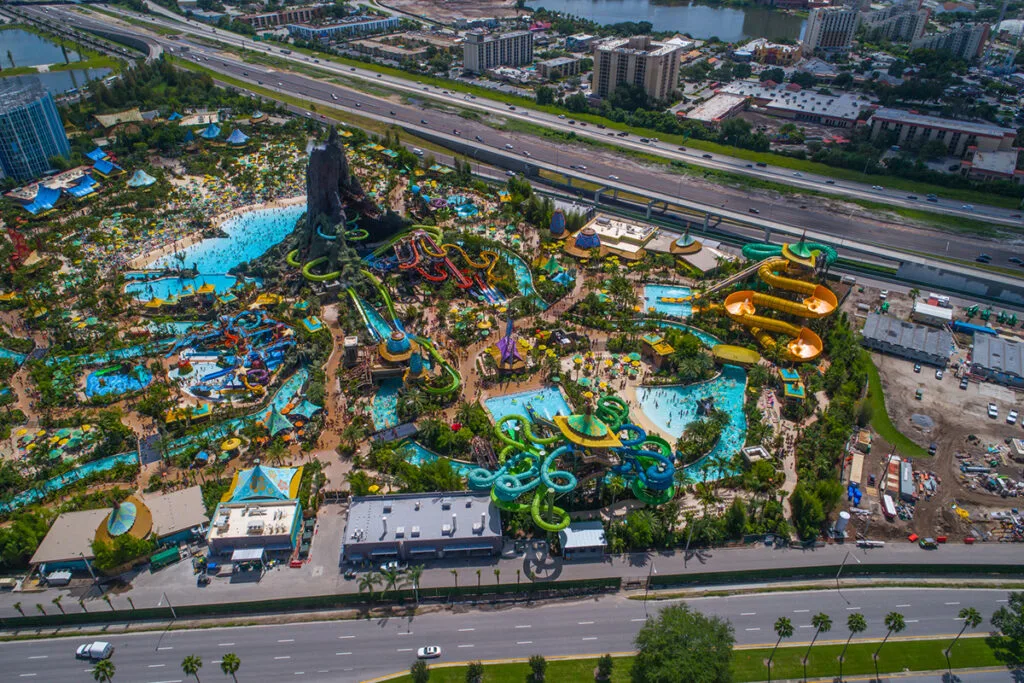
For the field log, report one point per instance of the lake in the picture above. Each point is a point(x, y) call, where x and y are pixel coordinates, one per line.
point(28, 49)
point(57, 82)
point(731, 24)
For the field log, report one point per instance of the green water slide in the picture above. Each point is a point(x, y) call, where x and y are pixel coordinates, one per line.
point(431, 230)
point(314, 277)
point(292, 259)
point(759, 251)
point(388, 303)
point(656, 444)
point(613, 411)
point(543, 509)
point(528, 434)
point(456, 380)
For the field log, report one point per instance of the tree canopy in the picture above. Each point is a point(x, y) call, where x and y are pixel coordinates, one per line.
point(683, 645)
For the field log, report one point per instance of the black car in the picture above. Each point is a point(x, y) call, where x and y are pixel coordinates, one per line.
point(983, 258)
point(753, 210)
point(424, 122)
point(707, 156)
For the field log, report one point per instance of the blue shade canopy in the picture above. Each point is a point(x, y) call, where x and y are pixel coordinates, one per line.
point(122, 519)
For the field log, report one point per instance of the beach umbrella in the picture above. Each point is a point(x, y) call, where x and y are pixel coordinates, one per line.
point(634, 356)
point(22, 432)
point(608, 362)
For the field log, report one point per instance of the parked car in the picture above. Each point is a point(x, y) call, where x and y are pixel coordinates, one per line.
point(429, 652)
point(963, 384)
point(917, 367)
point(932, 447)
point(928, 544)
point(993, 411)
point(938, 374)
point(884, 294)
point(1011, 417)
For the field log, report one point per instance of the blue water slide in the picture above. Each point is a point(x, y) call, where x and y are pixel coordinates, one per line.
point(639, 438)
point(558, 480)
point(218, 373)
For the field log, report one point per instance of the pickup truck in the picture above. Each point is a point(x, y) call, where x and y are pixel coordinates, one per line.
point(95, 651)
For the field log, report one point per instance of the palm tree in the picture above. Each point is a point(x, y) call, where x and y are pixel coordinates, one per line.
point(17, 606)
point(230, 664)
point(106, 599)
point(497, 578)
point(895, 623)
point(104, 671)
point(783, 629)
point(972, 618)
point(392, 578)
point(368, 581)
point(39, 606)
point(191, 666)
point(822, 623)
point(414, 573)
point(56, 601)
point(856, 623)
point(914, 293)
point(455, 573)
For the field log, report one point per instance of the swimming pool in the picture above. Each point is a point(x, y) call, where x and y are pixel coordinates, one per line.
point(417, 454)
point(109, 356)
point(672, 408)
point(167, 287)
point(104, 382)
point(18, 358)
point(654, 293)
point(524, 278)
point(545, 403)
point(175, 327)
point(68, 478)
point(249, 236)
point(385, 404)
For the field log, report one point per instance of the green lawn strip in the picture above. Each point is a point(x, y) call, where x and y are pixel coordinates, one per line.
point(892, 182)
point(367, 124)
point(748, 665)
point(100, 62)
point(155, 28)
point(880, 417)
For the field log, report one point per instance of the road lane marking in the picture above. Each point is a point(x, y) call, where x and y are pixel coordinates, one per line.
point(903, 605)
point(748, 614)
point(404, 633)
point(467, 645)
point(39, 656)
point(800, 611)
point(952, 603)
point(283, 657)
point(638, 619)
point(176, 680)
point(404, 649)
point(524, 642)
point(465, 630)
point(345, 637)
point(157, 666)
point(28, 675)
point(852, 609)
point(217, 661)
point(287, 640)
point(591, 638)
point(756, 628)
point(166, 647)
point(806, 625)
point(911, 621)
point(524, 626)
point(1002, 601)
point(299, 673)
point(224, 644)
point(584, 623)
point(339, 654)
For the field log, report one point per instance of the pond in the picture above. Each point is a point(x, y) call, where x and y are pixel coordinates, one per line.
point(24, 48)
point(731, 24)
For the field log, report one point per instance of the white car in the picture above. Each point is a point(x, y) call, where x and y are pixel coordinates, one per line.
point(884, 295)
point(993, 411)
point(1011, 418)
point(938, 374)
point(613, 177)
point(429, 652)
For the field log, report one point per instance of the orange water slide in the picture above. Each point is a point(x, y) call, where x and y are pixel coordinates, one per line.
point(743, 306)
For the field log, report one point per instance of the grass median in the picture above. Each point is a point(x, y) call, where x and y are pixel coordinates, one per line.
point(748, 665)
point(880, 421)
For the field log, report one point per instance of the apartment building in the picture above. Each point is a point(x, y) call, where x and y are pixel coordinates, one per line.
point(638, 60)
point(963, 41)
point(902, 22)
point(482, 51)
point(830, 30)
point(957, 135)
point(288, 15)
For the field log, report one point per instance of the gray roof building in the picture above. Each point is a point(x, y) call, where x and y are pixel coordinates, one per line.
point(907, 340)
point(999, 360)
point(418, 526)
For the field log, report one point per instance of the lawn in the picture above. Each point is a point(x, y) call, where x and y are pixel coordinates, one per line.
point(748, 665)
point(880, 421)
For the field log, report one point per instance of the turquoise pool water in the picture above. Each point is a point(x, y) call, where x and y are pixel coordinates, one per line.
point(545, 403)
point(135, 379)
point(708, 340)
point(111, 356)
point(249, 235)
point(524, 278)
point(66, 479)
point(18, 358)
point(417, 454)
point(654, 293)
point(385, 404)
point(167, 287)
point(672, 408)
point(175, 327)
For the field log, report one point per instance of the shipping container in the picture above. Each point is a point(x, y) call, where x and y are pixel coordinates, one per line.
point(888, 509)
point(907, 492)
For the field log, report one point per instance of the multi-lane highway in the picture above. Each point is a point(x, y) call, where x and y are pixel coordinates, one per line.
point(425, 111)
point(359, 649)
point(808, 181)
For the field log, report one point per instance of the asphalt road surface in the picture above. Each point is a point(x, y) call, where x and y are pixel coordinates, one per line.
point(357, 650)
point(852, 223)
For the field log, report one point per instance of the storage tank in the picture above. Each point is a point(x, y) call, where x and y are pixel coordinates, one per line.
point(844, 519)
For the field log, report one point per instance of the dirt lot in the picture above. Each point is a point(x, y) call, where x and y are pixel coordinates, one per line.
point(956, 421)
point(447, 11)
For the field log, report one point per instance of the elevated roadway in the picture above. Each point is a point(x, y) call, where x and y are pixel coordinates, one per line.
point(1011, 217)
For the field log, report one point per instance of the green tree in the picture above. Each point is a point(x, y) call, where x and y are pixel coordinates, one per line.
point(736, 518)
point(895, 623)
point(230, 664)
point(822, 623)
point(1009, 619)
point(808, 512)
point(191, 666)
point(972, 619)
point(369, 581)
point(855, 623)
point(783, 629)
point(414, 574)
point(545, 95)
point(538, 668)
point(420, 671)
point(475, 672)
point(605, 665)
point(103, 671)
point(682, 645)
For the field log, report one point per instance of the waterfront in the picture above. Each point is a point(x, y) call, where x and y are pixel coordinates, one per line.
point(731, 24)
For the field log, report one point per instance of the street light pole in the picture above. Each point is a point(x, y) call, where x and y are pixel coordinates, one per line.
point(647, 587)
point(838, 589)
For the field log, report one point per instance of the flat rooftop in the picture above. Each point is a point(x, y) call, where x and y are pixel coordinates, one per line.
point(716, 108)
point(252, 520)
point(1002, 163)
point(890, 330)
point(1001, 355)
point(785, 98)
point(969, 127)
point(176, 511)
point(421, 516)
point(70, 537)
point(623, 235)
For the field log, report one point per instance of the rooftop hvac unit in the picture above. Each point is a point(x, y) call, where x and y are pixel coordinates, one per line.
point(399, 532)
point(415, 531)
point(446, 529)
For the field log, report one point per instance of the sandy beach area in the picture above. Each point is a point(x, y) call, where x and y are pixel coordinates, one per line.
point(143, 261)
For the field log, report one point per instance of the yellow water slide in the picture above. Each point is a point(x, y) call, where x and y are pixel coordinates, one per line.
point(819, 302)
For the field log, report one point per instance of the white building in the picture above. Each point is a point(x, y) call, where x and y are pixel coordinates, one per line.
point(963, 41)
point(638, 60)
point(482, 51)
point(899, 22)
point(830, 30)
